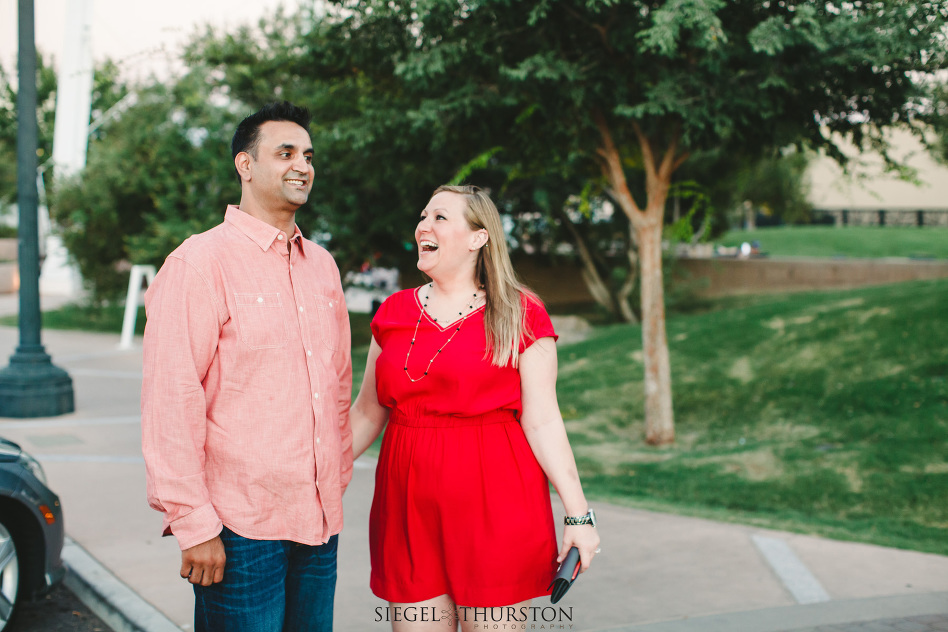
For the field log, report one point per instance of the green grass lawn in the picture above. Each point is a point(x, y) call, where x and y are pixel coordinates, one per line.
point(824, 413)
point(106, 319)
point(852, 241)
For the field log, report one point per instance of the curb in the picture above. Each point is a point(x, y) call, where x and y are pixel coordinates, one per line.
point(788, 618)
point(107, 596)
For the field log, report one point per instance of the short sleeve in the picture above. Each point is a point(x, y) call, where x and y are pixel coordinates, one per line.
point(377, 320)
point(536, 321)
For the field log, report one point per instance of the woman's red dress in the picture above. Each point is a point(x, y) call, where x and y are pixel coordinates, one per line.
point(461, 505)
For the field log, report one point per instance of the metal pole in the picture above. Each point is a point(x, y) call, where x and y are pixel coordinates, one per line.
point(30, 386)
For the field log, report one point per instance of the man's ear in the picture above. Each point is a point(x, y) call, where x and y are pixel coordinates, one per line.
point(242, 162)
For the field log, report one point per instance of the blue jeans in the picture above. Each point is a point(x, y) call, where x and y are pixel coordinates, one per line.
point(269, 586)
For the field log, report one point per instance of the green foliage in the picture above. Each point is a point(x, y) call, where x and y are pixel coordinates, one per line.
point(45, 117)
point(155, 175)
point(939, 143)
point(409, 95)
point(822, 412)
point(774, 185)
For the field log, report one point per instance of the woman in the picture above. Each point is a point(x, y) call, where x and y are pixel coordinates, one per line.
point(463, 372)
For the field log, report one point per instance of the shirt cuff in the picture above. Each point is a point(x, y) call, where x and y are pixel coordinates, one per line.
point(197, 527)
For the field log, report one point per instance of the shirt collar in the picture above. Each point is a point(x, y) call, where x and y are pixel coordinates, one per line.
point(258, 231)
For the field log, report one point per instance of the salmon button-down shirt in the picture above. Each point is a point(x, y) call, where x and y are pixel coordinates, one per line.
point(246, 390)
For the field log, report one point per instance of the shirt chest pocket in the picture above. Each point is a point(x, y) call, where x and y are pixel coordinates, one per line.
point(326, 309)
point(260, 320)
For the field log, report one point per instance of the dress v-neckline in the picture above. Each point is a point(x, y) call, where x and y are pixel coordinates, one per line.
point(436, 323)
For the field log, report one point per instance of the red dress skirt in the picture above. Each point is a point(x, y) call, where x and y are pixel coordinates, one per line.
point(461, 504)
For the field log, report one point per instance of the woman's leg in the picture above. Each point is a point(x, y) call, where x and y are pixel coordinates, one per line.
point(434, 615)
point(513, 617)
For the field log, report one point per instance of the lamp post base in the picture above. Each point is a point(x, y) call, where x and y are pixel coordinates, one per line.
point(33, 387)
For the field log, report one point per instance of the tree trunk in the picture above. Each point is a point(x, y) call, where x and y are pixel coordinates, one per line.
point(659, 418)
point(647, 224)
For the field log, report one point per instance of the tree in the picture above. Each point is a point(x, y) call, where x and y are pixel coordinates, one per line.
point(156, 174)
point(45, 115)
point(546, 100)
point(618, 89)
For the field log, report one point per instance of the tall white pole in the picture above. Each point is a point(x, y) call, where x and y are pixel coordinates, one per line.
point(70, 139)
point(74, 91)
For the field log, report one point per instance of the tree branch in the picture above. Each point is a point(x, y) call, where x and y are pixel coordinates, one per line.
point(647, 157)
point(612, 168)
point(668, 160)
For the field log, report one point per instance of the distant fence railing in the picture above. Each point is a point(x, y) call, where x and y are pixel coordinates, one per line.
point(883, 217)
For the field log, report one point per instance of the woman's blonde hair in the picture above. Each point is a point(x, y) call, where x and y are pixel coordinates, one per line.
point(504, 315)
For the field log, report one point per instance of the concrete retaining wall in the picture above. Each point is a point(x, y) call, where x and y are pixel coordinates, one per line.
point(716, 277)
point(563, 284)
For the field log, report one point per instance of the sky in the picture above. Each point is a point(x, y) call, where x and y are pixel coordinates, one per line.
point(136, 34)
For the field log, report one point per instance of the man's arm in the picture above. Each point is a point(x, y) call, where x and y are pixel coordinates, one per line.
point(343, 365)
point(181, 335)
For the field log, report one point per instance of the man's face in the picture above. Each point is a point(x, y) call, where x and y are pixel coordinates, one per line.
point(281, 174)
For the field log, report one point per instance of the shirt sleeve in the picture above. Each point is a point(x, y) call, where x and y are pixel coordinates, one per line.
point(378, 319)
point(536, 321)
point(342, 361)
point(181, 335)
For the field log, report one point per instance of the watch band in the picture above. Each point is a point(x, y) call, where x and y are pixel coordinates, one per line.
point(588, 518)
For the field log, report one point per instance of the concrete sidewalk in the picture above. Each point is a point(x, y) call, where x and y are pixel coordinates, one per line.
point(656, 573)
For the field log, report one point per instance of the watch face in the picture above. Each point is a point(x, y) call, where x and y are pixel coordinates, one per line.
point(592, 517)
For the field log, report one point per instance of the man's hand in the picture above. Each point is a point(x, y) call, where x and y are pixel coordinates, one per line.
point(204, 563)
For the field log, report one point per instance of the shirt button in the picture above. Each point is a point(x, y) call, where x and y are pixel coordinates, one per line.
point(301, 308)
point(280, 237)
point(316, 395)
point(308, 352)
point(330, 303)
point(259, 299)
point(317, 440)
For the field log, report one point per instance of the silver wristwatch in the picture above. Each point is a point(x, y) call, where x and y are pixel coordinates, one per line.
point(588, 518)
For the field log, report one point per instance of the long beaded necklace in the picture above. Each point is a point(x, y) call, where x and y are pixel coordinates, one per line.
point(424, 305)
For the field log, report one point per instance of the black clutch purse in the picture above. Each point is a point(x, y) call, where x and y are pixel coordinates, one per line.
point(565, 575)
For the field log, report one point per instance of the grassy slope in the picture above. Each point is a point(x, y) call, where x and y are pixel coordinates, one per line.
point(825, 413)
point(854, 241)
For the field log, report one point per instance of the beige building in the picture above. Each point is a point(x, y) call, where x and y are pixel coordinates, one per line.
point(870, 196)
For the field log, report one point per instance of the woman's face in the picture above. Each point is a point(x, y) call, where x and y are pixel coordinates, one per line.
point(446, 243)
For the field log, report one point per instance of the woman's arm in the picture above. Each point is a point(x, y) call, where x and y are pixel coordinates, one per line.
point(367, 416)
point(543, 426)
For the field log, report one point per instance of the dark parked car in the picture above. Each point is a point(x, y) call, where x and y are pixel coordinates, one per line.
point(31, 531)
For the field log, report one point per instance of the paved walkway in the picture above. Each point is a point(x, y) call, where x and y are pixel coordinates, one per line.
point(657, 572)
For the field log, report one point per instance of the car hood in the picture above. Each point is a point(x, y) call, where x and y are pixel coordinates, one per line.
point(9, 451)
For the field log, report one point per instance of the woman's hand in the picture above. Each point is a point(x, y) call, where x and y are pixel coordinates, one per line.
point(584, 537)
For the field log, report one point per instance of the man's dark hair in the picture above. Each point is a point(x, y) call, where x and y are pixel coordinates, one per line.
point(247, 134)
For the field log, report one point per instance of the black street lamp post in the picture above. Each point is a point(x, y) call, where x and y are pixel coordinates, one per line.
point(30, 386)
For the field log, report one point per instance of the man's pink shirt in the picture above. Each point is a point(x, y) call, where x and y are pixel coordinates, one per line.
point(246, 390)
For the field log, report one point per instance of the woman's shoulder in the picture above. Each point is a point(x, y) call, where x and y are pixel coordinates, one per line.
point(399, 301)
point(531, 303)
point(402, 296)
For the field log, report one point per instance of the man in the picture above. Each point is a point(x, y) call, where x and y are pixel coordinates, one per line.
point(245, 398)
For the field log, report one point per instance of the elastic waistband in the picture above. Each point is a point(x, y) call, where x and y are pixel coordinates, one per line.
point(450, 421)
